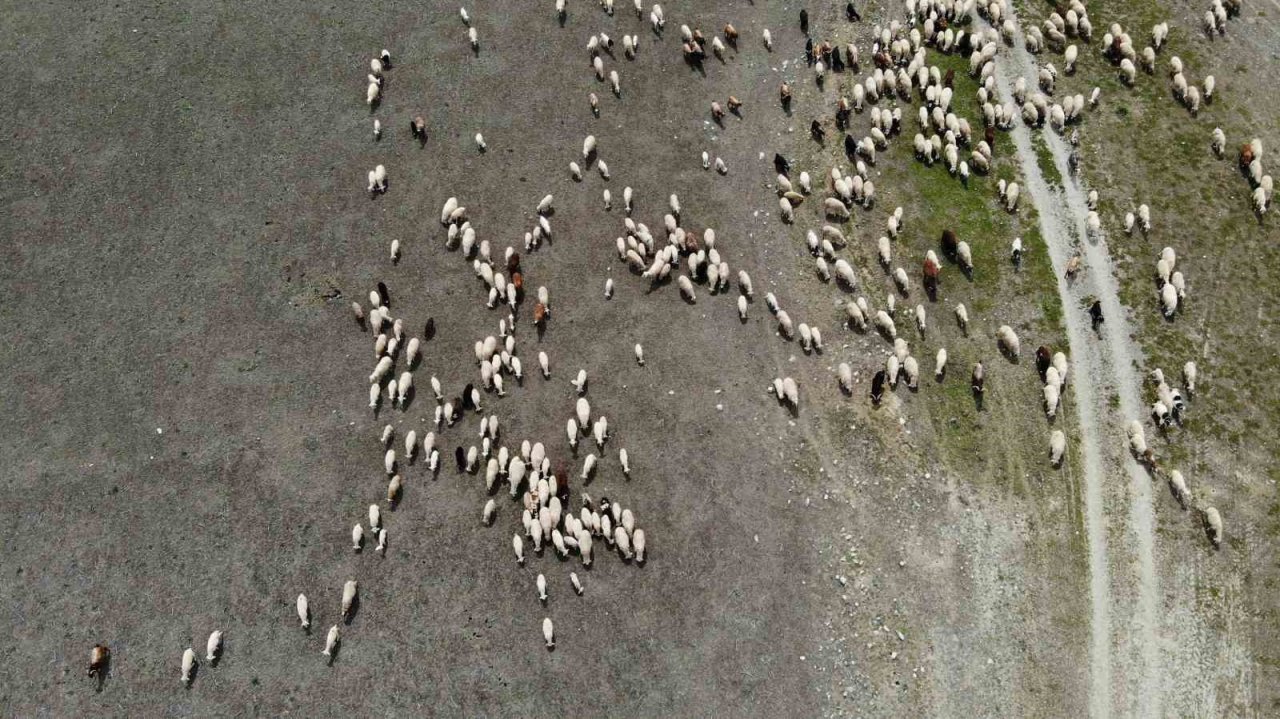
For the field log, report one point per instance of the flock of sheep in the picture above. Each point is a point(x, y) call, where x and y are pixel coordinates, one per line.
point(901, 73)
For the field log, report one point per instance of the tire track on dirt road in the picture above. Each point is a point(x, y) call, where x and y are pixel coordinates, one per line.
point(1128, 677)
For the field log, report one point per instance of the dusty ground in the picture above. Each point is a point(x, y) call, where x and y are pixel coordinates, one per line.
point(189, 442)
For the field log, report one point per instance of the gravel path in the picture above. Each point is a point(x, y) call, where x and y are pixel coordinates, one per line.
point(1099, 370)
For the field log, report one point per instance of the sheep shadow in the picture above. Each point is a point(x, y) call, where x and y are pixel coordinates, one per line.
point(351, 615)
point(191, 679)
point(333, 653)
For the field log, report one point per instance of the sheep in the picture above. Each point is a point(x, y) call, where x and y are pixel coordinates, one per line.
point(912, 369)
point(977, 379)
point(1144, 218)
point(940, 364)
point(1213, 525)
point(1007, 339)
point(583, 410)
point(1178, 485)
point(1128, 223)
point(600, 430)
point(965, 256)
point(331, 642)
point(637, 545)
point(791, 392)
point(884, 323)
point(517, 545)
point(1209, 85)
point(639, 355)
point(1168, 300)
point(580, 383)
point(474, 37)
point(548, 629)
point(349, 591)
point(900, 279)
point(544, 363)
point(1137, 438)
point(920, 318)
point(834, 208)
point(962, 318)
point(603, 168)
point(1011, 197)
point(1189, 377)
point(686, 288)
point(213, 647)
point(1057, 447)
point(588, 467)
point(1051, 397)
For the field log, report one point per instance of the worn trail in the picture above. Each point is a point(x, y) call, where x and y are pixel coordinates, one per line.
point(1124, 672)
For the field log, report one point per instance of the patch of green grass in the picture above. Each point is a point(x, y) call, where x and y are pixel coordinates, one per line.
point(1044, 159)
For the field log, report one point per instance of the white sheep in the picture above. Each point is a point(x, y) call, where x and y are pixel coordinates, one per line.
point(1169, 300)
point(962, 317)
point(1178, 484)
point(791, 392)
point(549, 632)
point(545, 364)
point(884, 323)
point(1051, 397)
point(639, 355)
point(1057, 446)
point(844, 374)
point(1008, 340)
point(331, 642)
point(583, 410)
point(686, 288)
point(785, 326)
point(1212, 520)
point(349, 591)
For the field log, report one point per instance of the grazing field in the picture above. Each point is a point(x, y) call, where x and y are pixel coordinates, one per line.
point(189, 439)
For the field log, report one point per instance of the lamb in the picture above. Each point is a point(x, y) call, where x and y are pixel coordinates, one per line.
point(349, 591)
point(1057, 447)
point(1008, 340)
point(331, 642)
